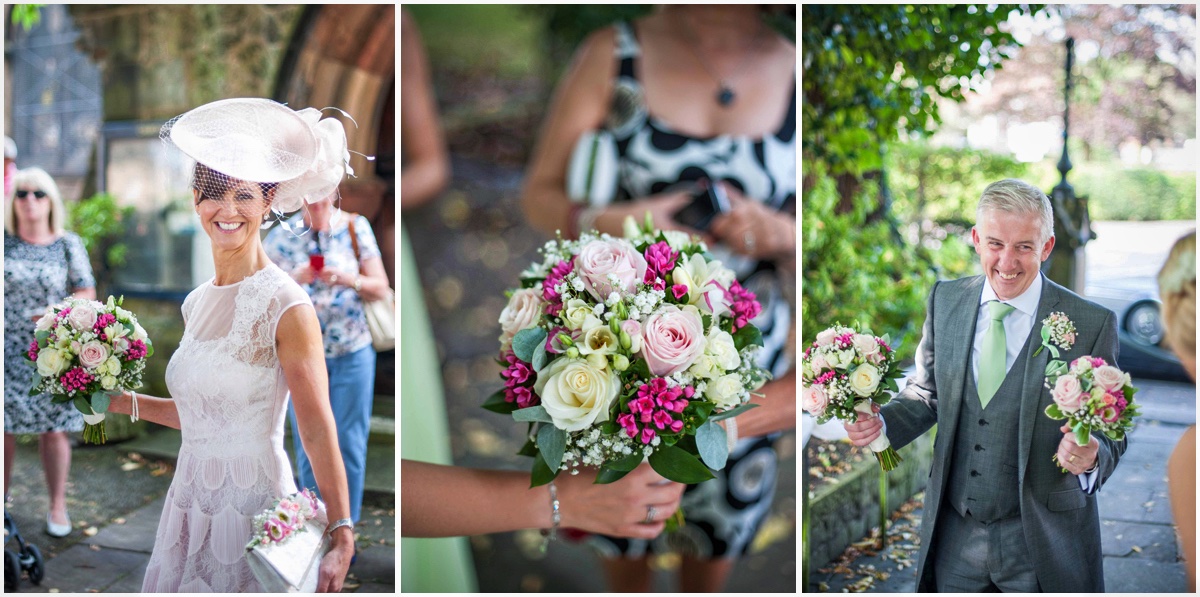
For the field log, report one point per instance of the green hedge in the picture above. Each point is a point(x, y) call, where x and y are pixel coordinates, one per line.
point(1117, 193)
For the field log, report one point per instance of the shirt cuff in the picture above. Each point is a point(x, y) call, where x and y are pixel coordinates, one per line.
point(1087, 481)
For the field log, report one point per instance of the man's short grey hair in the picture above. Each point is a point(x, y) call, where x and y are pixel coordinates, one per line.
point(1018, 197)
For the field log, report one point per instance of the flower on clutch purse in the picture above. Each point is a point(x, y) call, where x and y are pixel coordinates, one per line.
point(284, 519)
point(1057, 331)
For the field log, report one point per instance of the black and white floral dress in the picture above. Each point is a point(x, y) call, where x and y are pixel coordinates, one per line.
point(723, 514)
point(36, 276)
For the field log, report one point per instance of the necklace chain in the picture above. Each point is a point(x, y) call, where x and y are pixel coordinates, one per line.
point(725, 93)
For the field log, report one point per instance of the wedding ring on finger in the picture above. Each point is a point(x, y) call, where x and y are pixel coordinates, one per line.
point(650, 512)
point(748, 240)
point(1071, 459)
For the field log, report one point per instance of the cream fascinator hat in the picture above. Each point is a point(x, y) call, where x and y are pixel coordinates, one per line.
point(263, 141)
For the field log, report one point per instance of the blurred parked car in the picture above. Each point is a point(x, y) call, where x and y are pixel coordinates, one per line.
point(1143, 351)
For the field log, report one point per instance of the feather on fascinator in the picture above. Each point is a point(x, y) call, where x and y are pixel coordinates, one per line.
point(259, 140)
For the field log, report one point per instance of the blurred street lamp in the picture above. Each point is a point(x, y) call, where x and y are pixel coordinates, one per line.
point(1072, 223)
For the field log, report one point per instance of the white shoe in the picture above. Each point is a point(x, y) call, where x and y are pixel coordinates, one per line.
point(58, 530)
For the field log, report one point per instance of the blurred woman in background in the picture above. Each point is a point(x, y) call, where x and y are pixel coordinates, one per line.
point(1177, 289)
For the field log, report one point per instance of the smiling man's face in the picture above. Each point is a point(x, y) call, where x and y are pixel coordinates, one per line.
point(1010, 250)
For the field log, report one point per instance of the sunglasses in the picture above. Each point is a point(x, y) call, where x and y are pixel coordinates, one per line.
point(25, 194)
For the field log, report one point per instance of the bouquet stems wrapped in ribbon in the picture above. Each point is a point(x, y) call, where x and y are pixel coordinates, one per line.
point(618, 351)
point(84, 350)
point(846, 372)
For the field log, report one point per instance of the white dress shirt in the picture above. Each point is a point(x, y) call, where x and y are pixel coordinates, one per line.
point(1017, 326)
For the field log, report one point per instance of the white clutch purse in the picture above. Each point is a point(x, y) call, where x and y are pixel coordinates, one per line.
point(592, 172)
point(288, 543)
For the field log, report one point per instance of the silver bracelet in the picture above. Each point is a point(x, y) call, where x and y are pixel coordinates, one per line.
point(133, 410)
point(555, 518)
point(345, 522)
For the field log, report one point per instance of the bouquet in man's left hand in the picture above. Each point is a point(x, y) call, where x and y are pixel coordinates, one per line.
point(84, 350)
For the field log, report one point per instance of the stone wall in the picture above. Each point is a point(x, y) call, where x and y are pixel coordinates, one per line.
point(844, 512)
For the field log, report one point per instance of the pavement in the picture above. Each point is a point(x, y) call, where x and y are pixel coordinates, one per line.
point(1137, 536)
point(115, 497)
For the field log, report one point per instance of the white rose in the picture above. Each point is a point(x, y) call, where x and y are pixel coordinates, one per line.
point(82, 316)
point(839, 359)
point(46, 323)
point(725, 391)
point(576, 394)
point(93, 354)
point(575, 313)
point(865, 380)
point(108, 382)
point(866, 345)
point(677, 240)
point(523, 310)
point(722, 349)
point(50, 362)
point(112, 366)
point(706, 367)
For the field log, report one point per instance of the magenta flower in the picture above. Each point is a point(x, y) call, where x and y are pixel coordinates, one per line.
point(557, 273)
point(660, 258)
point(518, 372)
point(33, 350)
point(744, 306)
point(679, 290)
point(275, 530)
point(104, 320)
point(647, 435)
point(626, 421)
point(137, 350)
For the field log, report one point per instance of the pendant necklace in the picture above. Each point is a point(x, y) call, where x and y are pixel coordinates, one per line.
point(725, 93)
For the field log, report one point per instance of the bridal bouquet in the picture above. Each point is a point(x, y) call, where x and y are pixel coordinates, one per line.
point(618, 350)
point(845, 372)
point(287, 543)
point(1092, 396)
point(85, 349)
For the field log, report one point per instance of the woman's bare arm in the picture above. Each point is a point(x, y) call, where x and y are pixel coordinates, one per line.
point(426, 168)
point(156, 410)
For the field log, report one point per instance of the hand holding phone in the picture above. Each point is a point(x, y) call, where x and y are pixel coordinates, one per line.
point(708, 202)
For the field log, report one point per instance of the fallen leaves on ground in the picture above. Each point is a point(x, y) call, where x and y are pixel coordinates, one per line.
point(902, 544)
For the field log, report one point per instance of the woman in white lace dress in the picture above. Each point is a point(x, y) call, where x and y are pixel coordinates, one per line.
point(251, 339)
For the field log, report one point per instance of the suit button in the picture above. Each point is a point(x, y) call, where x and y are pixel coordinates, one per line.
point(974, 473)
point(982, 422)
point(978, 448)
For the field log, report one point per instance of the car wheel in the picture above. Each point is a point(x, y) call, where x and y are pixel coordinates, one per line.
point(1143, 322)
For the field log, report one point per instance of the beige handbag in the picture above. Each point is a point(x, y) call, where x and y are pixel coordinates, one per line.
point(381, 314)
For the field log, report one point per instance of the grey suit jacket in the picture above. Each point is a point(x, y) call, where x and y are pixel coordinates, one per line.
point(1061, 521)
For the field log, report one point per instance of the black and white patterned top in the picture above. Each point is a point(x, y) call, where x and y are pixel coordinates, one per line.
point(653, 158)
point(36, 276)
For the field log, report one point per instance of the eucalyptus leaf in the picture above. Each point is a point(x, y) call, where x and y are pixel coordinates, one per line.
point(712, 445)
point(677, 465)
point(733, 413)
point(81, 404)
point(100, 402)
point(552, 442)
point(526, 341)
point(534, 413)
point(540, 357)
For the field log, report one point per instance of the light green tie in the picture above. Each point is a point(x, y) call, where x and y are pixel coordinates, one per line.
point(992, 357)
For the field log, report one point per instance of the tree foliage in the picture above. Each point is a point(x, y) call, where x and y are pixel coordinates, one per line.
point(872, 71)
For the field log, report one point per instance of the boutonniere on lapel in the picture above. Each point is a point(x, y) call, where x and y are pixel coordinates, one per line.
point(1057, 330)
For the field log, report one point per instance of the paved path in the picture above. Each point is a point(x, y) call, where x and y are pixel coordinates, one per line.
point(1138, 539)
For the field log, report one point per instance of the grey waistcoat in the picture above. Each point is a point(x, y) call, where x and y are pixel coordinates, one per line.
point(983, 475)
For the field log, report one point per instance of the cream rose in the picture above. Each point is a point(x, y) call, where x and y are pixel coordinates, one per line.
point(108, 382)
point(82, 316)
point(600, 259)
point(46, 323)
point(575, 312)
point(51, 362)
point(814, 399)
point(725, 391)
point(93, 354)
point(865, 380)
point(1067, 393)
point(1109, 378)
point(672, 339)
point(576, 394)
point(523, 310)
point(112, 366)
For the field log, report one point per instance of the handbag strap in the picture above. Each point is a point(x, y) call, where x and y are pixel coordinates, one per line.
point(354, 240)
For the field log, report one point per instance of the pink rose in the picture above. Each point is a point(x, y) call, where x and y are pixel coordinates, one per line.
point(82, 317)
point(825, 337)
point(672, 339)
point(865, 344)
point(93, 354)
point(523, 310)
point(600, 259)
point(1109, 377)
point(814, 400)
point(1067, 393)
point(819, 363)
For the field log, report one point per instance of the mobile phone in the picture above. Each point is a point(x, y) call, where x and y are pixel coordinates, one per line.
point(707, 202)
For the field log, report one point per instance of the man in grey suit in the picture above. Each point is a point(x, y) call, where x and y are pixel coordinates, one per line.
point(999, 512)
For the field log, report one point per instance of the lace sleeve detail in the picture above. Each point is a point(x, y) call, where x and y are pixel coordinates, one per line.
point(261, 301)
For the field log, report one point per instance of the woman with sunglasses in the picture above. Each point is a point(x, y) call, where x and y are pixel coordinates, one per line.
point(43, 263)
